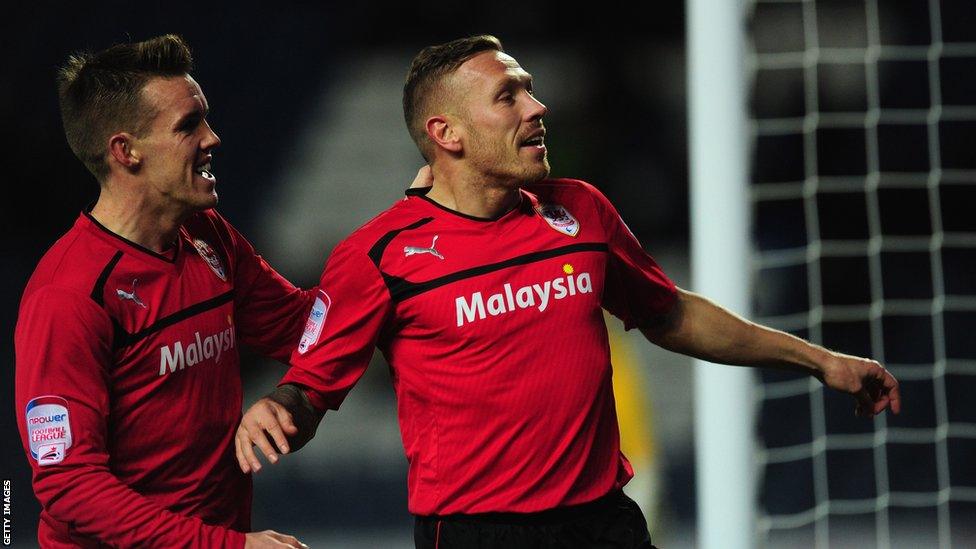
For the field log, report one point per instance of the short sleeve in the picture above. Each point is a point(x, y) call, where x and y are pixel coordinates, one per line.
point(352, 305)
point(636, 289)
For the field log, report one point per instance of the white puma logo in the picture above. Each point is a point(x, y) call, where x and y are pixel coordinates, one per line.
point(131, 295)
point(411, 250)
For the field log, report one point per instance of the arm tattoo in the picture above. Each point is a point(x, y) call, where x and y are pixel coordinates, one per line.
point(305, 416)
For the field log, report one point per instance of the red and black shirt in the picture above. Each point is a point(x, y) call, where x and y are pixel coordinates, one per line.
point(128, 383)
point(495, 333)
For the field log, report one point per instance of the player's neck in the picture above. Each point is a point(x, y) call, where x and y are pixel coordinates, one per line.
point(137, 220)
point(473, 196)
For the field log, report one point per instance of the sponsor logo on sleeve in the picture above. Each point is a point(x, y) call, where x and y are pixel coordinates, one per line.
point(316, 319)
point(208, 255)
point(559, 218)
point(48, 429)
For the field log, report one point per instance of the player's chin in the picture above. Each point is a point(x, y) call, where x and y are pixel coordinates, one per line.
point(204, 200)
point(537, 171)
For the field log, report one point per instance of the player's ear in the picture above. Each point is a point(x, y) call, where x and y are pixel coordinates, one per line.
point(442, 131)
point(122, 151)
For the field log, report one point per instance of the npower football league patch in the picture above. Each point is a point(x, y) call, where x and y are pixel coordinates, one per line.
point(316, 319)
point(48, 429)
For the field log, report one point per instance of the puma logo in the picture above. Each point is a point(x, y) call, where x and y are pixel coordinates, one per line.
point(411, 250)
point(131, 295)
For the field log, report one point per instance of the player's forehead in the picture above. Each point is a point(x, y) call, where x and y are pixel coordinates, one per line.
point(489, 67)
point(175, 96)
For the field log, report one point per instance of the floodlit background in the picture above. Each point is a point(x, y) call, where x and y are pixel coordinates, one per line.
point(306, 98)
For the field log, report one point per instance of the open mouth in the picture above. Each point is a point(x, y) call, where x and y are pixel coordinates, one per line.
point(203, 170)
point(535, 141)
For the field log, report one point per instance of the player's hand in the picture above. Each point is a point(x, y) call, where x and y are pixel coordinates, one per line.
point(425, 178)
point(270, 538)
point(871, 385)
point(265, 418)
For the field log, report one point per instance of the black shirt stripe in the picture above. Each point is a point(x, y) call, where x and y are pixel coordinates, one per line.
point(376, 252)
point(98, 292)
point(401, 289)
point(124, 339)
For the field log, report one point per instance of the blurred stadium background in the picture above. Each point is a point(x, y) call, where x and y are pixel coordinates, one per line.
point(864, 180)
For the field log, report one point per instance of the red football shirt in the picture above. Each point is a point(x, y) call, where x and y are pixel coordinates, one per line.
point(495, 333)
point(128, 383)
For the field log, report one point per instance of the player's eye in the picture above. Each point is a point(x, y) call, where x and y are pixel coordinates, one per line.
point(188, 124)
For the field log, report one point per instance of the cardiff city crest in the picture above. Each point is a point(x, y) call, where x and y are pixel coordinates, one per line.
point(559, 218)
point(208, 255)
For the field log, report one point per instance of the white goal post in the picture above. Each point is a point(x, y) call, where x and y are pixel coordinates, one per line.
point(720, 267)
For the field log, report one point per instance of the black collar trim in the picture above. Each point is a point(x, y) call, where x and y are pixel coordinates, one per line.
point(421, 192)
point(143, 249)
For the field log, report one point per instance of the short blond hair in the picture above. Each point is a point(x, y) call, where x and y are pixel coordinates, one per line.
point(427, 71)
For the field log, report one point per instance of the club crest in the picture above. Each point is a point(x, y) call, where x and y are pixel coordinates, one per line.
point(208, 255)
point(559, 218)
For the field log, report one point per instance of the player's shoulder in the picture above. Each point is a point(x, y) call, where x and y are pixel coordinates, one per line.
point(573, 194)
point(76, 254)
point(402, 214)
point(208, 230)
point(207, 222)
point(563, 188)
point(74, 262)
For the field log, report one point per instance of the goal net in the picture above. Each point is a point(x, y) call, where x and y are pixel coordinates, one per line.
point(863, 134)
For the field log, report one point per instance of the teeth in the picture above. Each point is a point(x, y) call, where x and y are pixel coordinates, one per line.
point(204, 171)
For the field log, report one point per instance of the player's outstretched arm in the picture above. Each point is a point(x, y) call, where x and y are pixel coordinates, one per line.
point(281, 422)
point(702, 329)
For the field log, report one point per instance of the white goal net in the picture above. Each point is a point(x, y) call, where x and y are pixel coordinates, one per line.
point(863, 127)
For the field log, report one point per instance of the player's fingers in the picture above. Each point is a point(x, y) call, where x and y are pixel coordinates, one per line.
point(865, 406)
point(260, 439)
point(280, 442)
point(260, 418)
point(877, 393)
point(425, 178)
point(894, 393)
point(246, 448)
point(289, 541)
point(285, 420)
point(880, 404)
point(241, 460)
point(883, 389)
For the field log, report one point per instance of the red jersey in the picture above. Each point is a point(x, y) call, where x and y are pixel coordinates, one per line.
point(128, 388)
point(495, 334)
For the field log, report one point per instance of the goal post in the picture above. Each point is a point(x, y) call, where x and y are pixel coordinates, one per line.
point(720, 267)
